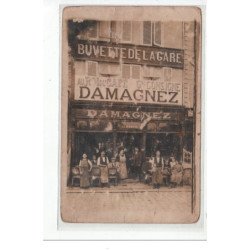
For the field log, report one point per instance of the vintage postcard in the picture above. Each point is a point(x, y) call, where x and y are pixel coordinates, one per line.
point(130, 114)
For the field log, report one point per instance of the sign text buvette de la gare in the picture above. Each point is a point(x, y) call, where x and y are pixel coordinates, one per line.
point(134, 54)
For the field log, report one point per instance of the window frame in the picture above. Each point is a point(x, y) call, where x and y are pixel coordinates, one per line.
point(97, 33)
point(130, 71)
point(153, 31)
point(87, 70)
point(142, 40)
point(131, 33)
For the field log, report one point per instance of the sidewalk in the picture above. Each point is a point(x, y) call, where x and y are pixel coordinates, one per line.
point(128, 186)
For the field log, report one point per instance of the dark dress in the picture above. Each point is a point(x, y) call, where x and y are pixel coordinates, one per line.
point(84, 167)
point(103, 163)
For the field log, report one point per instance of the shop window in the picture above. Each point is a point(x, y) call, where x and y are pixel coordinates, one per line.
point(126, 71)
point(92, 68)
point(126, 31)
point(157, 33)
point(93, 30)
point(147, 33)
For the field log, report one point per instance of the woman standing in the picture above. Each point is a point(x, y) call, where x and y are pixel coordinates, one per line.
point(85, 167)
point(121, 158)
point(177, 173)
point(103, 162)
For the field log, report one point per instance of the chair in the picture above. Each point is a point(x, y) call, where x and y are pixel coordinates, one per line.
point(146, 173)
point(75, 175)
point(113, 175)
point(96, 176)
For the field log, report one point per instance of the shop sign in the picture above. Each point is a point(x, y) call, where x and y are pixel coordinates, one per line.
point(106, 89)
point(125, 115)
point(134, 54)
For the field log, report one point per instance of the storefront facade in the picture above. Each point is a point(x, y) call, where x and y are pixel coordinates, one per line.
point(130, 86)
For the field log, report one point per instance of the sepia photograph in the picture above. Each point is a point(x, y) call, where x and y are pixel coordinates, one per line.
point(130, 115)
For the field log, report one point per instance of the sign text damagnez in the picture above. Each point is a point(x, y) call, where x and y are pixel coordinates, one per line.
point(125, 115)
point(107, 89)
point(136, 54)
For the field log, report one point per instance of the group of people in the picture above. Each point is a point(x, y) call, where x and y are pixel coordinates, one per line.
point(155, 171)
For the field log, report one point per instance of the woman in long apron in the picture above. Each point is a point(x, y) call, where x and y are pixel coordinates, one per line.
point(85, 167)
point(103, 162)
point(121, 159)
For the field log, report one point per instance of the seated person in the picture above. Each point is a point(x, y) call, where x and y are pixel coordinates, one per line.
point(176, 174)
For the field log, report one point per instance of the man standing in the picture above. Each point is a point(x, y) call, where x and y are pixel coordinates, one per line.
point(136, 163)
point(157, 169)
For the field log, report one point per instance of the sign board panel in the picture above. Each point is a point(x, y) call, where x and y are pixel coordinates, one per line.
point(127, 90)
point(126, 53)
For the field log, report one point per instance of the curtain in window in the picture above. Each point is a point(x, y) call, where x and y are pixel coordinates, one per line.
point(157, 33)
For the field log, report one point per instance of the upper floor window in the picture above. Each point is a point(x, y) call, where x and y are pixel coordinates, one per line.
point(167, 74)
point(109, 69)
point(92, 68)
point(105, 29)
point(127, 31)
point(157, 33)
point(147, 33)
point(131, 71)
point(152, 33)
point(92, 32)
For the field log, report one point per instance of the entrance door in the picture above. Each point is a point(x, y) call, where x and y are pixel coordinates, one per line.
point(88, 142)
point(129, 141)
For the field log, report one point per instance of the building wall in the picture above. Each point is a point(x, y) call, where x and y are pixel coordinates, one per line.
point(177, 35)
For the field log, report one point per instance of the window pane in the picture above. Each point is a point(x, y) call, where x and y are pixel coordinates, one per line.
point(126, 34)
point(136, 71)
point(147, 33)
point(104, 29)
point(157, 33)
point(92, 68)
point(103, 68)
point(125, 71)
